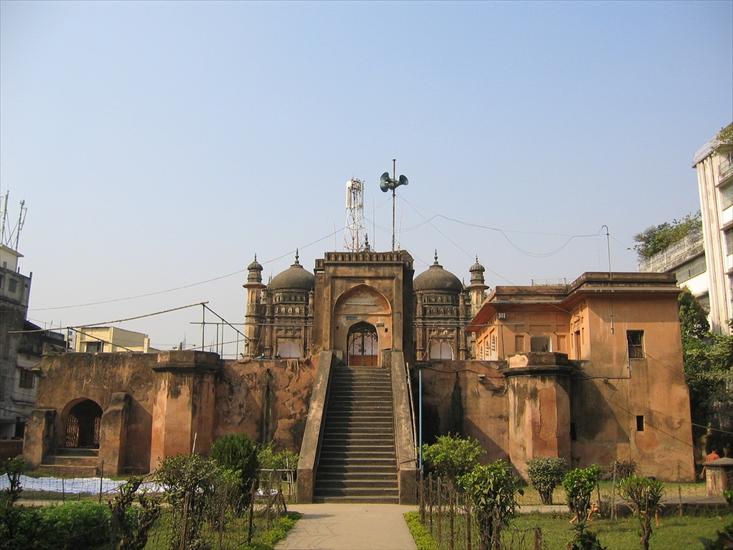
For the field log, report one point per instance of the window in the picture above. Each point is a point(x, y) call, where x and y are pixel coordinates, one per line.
point(519, 343)
point(540, 343)
point(635, 339)
point(640, 423)
point(576, 339)
point(561, 345)
point(12, 285)
point(93, 347)
point(573, 433)
point(25, 379)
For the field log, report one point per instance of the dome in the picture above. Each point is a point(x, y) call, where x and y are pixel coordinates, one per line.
point(255, 265)
point(295, 277)
point(437, 278)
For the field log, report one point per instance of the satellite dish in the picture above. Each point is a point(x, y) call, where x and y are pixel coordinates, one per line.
point(402, 181)
point(384, 182)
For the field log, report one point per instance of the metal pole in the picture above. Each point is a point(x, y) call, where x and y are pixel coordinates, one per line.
point(203, 325)
point(393, 216)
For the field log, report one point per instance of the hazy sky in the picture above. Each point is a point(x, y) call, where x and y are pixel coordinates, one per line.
point(162, 144)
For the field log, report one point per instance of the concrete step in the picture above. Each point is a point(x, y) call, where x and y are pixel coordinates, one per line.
point(357, 476)
point(76, 451)
point(359, 461)
point(66, 470)
point(71, 460)
point(356, 500)
point(366, 423)
point(339, 446)
point(361, 469)
point(355, 455)
point(348, 485)
point(363, 491)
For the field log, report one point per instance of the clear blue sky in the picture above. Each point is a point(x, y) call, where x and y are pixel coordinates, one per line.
point(160, 144)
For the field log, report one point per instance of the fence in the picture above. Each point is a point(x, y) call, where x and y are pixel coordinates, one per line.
point(448, 514)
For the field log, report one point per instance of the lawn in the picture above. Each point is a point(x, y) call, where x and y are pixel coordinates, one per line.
point(671, 492)
point(235, 536)
point(621, 534)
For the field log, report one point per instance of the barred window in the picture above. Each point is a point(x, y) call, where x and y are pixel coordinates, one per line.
point(26, 379)
point(635, 340)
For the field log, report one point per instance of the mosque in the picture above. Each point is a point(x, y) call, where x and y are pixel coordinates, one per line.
point(358, 361)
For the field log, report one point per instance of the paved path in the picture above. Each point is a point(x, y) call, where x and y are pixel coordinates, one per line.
point(349, 527)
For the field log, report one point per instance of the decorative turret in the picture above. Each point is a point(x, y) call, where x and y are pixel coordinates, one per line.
point(254, 274)
point(253, 314)
point(477, 286)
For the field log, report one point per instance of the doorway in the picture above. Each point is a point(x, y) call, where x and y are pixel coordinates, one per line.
point(362, 345)
point(82, 425)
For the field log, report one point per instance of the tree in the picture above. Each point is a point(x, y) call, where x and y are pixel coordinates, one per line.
point(644, 496)
point(579, 484)
point(657, 238)
point(708, 360)
point(493, 490)
point(452, 456)
point(239, 453)
point(545, 474)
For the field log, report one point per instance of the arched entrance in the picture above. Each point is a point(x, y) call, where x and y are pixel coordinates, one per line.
point(362, 345)
point(82, 425)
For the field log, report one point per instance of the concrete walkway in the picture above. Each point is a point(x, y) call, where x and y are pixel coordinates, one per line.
point(349, 527)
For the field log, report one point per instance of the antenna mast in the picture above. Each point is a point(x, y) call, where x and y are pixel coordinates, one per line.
point(354, 215)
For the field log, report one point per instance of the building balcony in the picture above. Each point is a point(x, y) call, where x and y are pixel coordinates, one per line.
point(676, 254)
point(725, 170)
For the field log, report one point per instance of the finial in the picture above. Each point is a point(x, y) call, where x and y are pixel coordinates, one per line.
point(297, 256)
point(436, 257)
point(366, 242)
point(255, 256)
point(476, 258)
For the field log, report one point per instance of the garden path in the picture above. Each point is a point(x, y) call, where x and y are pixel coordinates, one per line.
point(349, 527)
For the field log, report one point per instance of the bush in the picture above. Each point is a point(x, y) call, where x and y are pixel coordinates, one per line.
point(68, 526)
point(644, 496)
point(13, 468)
point(423, 539)
point(130, 524)
point(452, 456)
point(239, 453)
point(623, 469)
point(579, 484)
point(270, 458)
point(545, 474)
point(190, 483)
point(493, 490)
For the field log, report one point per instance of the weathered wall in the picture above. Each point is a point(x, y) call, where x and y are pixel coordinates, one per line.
point(266, 399)
point(70, 378)
point(614, 390)
point(467, 397)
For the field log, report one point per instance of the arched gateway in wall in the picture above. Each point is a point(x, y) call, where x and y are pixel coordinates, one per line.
point(82, 425)
point(362, 325)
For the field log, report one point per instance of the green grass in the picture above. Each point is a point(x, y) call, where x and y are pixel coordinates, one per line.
point(622, 534)
point(671, 490)
point(235, 535)
point(422, 537)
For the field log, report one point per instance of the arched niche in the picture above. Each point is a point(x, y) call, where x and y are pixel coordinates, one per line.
point(362, 304)
point(82, 419)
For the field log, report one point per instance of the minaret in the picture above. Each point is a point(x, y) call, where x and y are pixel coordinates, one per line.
point(477, 287)
point(253, 315)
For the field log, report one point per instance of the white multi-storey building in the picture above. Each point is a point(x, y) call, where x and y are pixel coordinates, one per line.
point(715, 184)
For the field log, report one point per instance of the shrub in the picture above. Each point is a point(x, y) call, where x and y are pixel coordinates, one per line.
point(423, 539)
point(130, 524)
point(270, 458)
point(239, 453)
point(579, 484)
point(545, 474)
point(189, 482)
point(493, 490)
point(13, 468)
point(452, 456)
point(623, 469)
point(644, 496)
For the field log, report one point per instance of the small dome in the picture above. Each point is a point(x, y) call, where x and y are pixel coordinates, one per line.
point(437, 278)
point(295, 277)
point(255, 265)
point(477, 273)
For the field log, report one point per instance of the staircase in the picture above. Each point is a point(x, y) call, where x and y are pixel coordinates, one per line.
point(357, 458)
point(71, 462)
